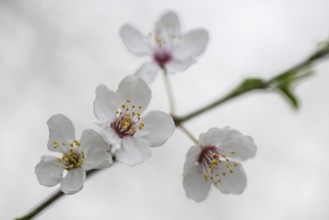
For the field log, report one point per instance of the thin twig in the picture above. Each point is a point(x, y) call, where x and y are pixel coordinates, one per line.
point(187, 132)
point(264, 85)
point(170, 92)
point(52, 198)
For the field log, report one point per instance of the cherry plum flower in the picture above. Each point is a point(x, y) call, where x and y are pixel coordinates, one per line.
point(169, 49)
point(215, 161)
point(77, 156)
point(121, 122)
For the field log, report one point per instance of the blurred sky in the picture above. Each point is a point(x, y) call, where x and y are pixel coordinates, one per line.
point(53, 54)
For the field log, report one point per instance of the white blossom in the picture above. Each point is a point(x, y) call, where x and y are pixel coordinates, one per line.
point(166, 45)
point(121, 122)
point(77, 156)
point(215, 161)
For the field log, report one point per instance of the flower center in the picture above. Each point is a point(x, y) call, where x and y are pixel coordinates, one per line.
point(74, 156)
point(215, 165)
point(162, 57)
point(127, 120)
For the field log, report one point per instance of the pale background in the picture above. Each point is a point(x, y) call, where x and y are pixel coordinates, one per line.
point(53, 54)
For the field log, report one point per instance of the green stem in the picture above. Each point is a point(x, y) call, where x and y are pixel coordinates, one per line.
point(52, 198)
point(170, 93)
point(187, 132)
point(316, 56)
point(42, 206)
point(220, 101)
point(256, 85)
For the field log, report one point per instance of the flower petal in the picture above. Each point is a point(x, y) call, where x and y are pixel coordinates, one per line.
point(178, 65)
point(168, 25)
point(48, 173)
point(196, 188)
point(213, 137)
point(95, 149)
point(61, 133)
point(110, 135)
point(191, 45)
point(136, 90)
point(235, 179)
point(230, 142)
point(237, 145)
point(159, 126)
point(106, 104)
point(147, 71)
point(73, 182)
point(90, 140)
point(135, 41)
point(134, 151)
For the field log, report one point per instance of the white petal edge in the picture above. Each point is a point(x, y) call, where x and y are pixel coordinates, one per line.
point(237, 145)
point(232, 183)
point(192, 44)
point(178, 65)
point(213, 137)
point(229, 142)
point(134, 40)
point(196, 188)
point(159, 127)
point(169, 24)
point(90, 140)
point(106, 104)
point(47, 172)
point(73, 182)
point(95, 148)
point(61, 130)
point(136, 90)
point(147, 72)
point(133, 151)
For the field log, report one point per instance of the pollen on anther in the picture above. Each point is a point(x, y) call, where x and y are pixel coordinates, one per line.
point(235, 164)
point(128, 100)
point(205, 176)
point(77, 143)
point(231, 171)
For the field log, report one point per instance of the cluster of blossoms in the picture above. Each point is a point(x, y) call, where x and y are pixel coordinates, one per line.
point(126, 136)
point(123, 131)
